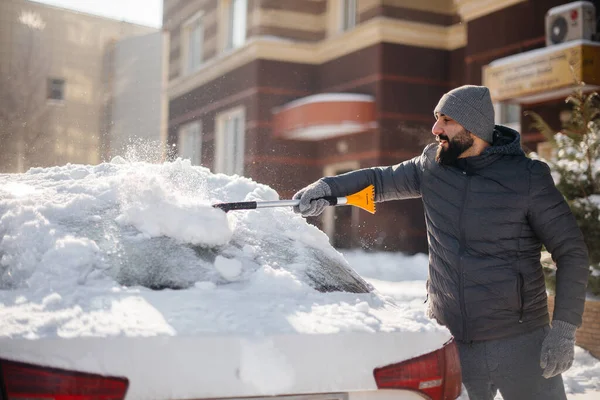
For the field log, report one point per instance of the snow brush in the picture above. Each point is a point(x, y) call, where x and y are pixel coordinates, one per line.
point(364, 199)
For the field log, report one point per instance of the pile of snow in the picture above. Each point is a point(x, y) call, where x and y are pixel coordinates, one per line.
point(136, 249)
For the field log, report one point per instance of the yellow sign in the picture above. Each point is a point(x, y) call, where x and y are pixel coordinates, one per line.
point(543, 70)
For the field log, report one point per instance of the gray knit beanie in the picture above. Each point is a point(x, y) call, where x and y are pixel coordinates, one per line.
point(471, 106)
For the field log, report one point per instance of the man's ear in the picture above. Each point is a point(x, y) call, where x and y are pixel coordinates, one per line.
point(474, 136)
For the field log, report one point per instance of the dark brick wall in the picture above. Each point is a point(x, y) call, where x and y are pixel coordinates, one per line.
point(512, 30)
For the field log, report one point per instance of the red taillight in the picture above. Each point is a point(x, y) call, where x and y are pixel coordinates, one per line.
point(435, 374)
point(27, 381)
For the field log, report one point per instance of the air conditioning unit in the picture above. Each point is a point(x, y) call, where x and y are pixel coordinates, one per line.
point(572, 21)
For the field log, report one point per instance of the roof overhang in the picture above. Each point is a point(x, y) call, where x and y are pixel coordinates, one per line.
point(324, 116)
point(473, 9)
point(544, 74)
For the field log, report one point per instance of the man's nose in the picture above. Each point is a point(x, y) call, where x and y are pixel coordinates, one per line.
point(437, 130)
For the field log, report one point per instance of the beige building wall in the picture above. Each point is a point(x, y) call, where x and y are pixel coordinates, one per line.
point(137, 109)
point(72, 46)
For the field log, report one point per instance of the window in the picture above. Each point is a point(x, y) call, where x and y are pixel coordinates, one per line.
point(339, 221)
point(230, 140)
point(193, 43)
point(236, 32)
point(348, 20)
point(56, 89)
point(508, 114)
point(190, 142)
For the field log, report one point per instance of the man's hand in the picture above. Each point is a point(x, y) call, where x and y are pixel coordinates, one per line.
point(309, 205)
point(558, 349)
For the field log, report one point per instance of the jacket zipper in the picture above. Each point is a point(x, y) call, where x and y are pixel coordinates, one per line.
point(521, 298)
point(463, 307)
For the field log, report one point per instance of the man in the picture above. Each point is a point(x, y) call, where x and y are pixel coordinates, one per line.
point(488, 210)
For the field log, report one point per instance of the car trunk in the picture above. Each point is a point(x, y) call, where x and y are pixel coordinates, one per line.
point(230, 366)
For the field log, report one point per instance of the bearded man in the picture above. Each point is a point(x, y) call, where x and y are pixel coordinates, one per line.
point(488, 210)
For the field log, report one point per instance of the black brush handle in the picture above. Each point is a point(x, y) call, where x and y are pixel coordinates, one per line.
point(241, 205)
point(332, 200)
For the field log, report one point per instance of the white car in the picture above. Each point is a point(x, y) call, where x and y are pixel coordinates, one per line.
point(120, 281)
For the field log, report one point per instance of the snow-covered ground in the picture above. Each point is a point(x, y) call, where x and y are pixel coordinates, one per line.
point(403, 278)
point(84, 248)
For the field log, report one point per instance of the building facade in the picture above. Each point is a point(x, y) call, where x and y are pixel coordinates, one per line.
point(288, 91)
point(57, 70)
point(137, 109)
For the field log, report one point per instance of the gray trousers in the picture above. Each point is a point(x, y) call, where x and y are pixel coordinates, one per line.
point(511, 366)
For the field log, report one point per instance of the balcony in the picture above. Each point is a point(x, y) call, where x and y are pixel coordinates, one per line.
point(324, 116)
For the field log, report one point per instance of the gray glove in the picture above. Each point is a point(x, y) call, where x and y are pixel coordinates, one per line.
point(309, 206)
point(558, 349)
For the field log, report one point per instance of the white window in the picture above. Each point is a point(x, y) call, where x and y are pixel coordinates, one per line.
point(192, 43)
point(190, 142)
point(335, 217)
point(508, 114)
point(236, 32)
point(230, 138)
point(348, 17)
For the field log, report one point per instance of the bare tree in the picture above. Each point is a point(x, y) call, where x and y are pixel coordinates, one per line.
point(23, 96)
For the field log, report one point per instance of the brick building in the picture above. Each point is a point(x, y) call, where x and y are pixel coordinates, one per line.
point(287, 91)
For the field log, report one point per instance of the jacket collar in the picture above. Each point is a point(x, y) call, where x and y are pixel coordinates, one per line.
point(507, 141)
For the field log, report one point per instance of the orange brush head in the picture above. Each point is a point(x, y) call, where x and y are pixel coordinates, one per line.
point(364, 199)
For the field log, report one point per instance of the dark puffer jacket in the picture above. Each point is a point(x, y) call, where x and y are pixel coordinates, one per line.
point(487, 218)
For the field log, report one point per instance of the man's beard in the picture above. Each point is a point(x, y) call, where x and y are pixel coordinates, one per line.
point(458, 145)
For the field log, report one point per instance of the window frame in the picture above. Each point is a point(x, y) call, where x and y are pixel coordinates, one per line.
point(186, 31)
point(502, 115)
point(225, 162)
point(189, 129)
point(328, 216)
point(230, 15)
point(348, 15)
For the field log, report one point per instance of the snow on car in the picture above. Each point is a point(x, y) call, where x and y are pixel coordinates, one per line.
point(120, 280)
